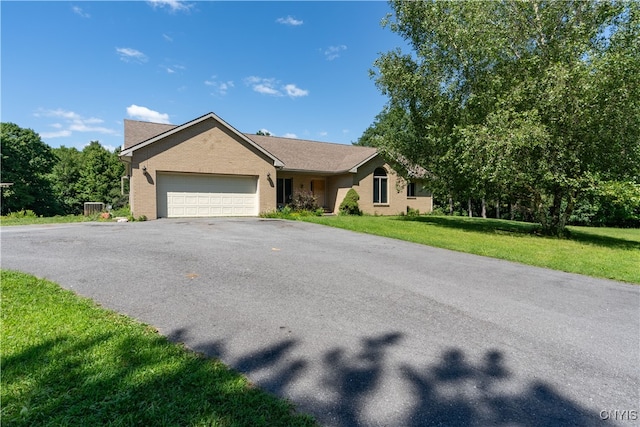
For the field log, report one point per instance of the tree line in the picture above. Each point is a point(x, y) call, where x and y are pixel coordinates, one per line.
point(56, 181)
point(530, 108)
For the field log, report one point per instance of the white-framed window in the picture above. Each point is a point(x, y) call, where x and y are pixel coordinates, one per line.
point(380, 187)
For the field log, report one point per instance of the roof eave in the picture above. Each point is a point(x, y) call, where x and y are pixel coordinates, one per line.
point(317, 172)
point(355, 168)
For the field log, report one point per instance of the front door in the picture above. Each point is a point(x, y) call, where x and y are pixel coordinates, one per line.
point(317, 188)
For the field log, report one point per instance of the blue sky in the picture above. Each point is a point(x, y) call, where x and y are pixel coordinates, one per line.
point(72, 71)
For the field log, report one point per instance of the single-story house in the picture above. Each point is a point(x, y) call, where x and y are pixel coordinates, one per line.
point(206, 168)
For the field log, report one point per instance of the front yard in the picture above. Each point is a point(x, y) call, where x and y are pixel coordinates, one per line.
point(66, 361)
point(611, 253)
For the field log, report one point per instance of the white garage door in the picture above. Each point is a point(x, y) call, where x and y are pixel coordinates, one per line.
point(186, 195)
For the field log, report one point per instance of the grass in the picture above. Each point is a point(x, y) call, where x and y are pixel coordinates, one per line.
point(65, 361)
point(31, 220)
point(610, 253)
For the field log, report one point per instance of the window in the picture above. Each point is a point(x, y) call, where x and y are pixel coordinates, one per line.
point(380, 192)
point(411, 189)
point(284, 190)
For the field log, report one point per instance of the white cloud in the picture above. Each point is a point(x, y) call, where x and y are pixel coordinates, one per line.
point(78, 11)
point(167, 38)
point(323, 133)
point(266, 131)
point(147, 115)
point(220, 88)
point(172, 5)
point(128, 54)
point(172, 69)
point(294, 91)
point(266, 89)
point(333, 52)
point(289, 20)
point(74, 122)
point(271, 86)
point(56, 134)
point(290, 135)
point(265, 86)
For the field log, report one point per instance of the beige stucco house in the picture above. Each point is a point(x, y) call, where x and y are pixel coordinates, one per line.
point(206, 168)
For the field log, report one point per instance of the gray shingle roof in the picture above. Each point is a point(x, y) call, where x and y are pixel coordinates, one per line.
point(305, 155)
point(136, 132)
point(296, 154)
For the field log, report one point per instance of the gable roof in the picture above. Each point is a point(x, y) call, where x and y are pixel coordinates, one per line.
point(136, 131)
point(287, 153)
point(143, 129)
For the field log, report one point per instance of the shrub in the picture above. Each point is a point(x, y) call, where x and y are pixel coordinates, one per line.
point(303, 201)
point(23, 214)
point(123, 211)
point(287, 213)
point(412, 211)
point(349, 205)
point(610, 204)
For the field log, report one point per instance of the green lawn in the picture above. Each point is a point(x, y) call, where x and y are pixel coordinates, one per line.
point(31, 220)
point(610, 253)
point(66, 361)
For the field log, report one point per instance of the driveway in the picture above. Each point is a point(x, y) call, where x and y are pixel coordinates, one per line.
point(362, 330)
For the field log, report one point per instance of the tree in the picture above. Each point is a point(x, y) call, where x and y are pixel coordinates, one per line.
point(100, 174)
point(64, 179)
point(263, 132)
point(530, 101)
point(26, 162)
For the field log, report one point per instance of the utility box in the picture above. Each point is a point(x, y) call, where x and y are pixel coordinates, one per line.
point(91, 208)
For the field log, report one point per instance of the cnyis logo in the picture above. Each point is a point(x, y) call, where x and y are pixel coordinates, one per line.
point(619, 415)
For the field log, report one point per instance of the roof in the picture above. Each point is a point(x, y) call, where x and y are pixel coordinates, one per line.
point(290, 154)
point(136, 132)
point(144, 129)
point(314, 156)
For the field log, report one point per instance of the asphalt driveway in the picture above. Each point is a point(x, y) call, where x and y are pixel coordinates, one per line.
point(362, 330)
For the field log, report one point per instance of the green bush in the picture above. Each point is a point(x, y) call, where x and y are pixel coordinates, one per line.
point(349, 205)
point(288, 213)
point(23, 214)
point(303, 201)
point(609, 204)
point(412, 211)
point(122, 211)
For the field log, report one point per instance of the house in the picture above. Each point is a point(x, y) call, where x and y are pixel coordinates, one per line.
point(206, 168)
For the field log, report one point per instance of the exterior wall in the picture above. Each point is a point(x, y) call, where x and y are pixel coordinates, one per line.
point(397, 202)
point(204, 148)
point(423, 200)
point(337, 188)
point(303, 182)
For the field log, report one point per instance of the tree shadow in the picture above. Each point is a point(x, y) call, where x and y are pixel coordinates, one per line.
point(451, 390)
point(516, 229)
point(481, 225)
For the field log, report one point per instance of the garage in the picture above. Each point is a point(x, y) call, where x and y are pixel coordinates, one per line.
point(195, 195)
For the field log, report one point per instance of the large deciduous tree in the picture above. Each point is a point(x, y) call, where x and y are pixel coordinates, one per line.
point(64, 179)
point(26, 162)
point(531, 101)
point(99, 175)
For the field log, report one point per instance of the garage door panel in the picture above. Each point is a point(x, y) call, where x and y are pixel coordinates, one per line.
point(206, 195)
